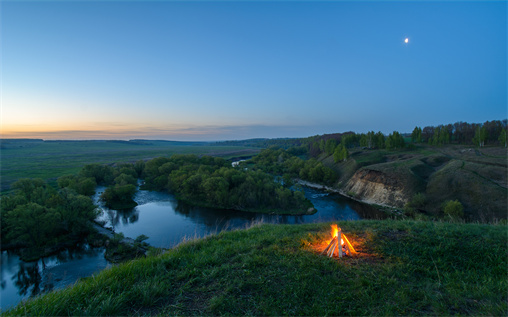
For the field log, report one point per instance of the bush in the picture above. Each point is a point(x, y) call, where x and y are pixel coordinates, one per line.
point(453, 209)
point(416, 203)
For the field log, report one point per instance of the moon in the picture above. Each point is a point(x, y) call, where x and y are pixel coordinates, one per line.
point(406, 40)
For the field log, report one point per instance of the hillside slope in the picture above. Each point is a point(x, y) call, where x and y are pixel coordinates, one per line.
point(402, 268)
point(476, 178)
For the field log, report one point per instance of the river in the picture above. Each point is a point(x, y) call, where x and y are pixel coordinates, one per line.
point(166, 221)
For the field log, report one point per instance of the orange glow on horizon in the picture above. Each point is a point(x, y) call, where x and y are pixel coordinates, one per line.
point(106, 131)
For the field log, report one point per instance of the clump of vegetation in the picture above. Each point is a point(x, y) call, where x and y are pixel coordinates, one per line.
point(282, 162)
point(213, 182)
point(40, 219)
point(415, 205)
point(453, 209)
point(81, 185)
point(120, 179)
point(402, 268)
point(119, 249)
point(119, 196)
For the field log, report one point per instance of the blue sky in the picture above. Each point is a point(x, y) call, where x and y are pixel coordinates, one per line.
point(206, 70)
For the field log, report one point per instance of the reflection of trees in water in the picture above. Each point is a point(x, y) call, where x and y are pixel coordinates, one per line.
point(366, 211)
point(215, 219)
point(222, 219)
point(128, 215)
point(125, 215)
point(28, 279)
point(182, 208)
point(78, 252)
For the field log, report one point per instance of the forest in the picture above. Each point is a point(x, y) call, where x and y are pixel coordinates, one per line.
point(40, 219)
point(213, 182)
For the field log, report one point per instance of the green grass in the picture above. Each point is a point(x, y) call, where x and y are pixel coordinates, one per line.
point(403, 268)
point(50, 160)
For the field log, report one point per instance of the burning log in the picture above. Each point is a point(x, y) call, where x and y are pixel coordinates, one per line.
point(327, 249)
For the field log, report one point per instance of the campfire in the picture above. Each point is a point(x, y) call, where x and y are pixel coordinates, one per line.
point(339, 244)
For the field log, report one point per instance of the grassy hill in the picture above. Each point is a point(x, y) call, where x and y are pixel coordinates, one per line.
point(402, 268)
point(475, 177)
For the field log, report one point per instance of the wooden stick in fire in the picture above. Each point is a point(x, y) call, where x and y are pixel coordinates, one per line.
point(349, 246)
point(339, 239)
point(332, 250)
point(328, 247)
point(331, 247)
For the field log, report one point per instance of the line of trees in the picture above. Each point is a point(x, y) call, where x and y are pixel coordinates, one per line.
point(480, 134)
point(489, 132)
point(338, 145)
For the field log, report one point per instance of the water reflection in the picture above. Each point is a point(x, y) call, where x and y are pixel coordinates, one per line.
point(123, 216)
point(28, 279)
point(167, 221)
point(20, 280)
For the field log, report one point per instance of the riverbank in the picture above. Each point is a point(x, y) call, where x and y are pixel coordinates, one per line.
point(120, 248)
point(402, 268)
point(343, 193)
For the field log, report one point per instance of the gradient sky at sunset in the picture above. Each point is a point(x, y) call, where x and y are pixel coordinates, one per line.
point(206, 70)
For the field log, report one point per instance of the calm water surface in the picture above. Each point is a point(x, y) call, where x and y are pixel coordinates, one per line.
point(166, 221)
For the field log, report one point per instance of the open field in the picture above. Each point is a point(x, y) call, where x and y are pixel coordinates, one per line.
point(402, 268)
point(51, 159)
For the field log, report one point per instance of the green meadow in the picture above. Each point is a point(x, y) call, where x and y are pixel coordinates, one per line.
point(51, 159)
point(402, 268)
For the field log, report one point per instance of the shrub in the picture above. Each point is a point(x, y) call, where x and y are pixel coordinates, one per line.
point(416, 203)
point(453, 209)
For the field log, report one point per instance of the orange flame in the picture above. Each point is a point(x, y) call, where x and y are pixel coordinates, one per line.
point(335, 230)
point(335, 233)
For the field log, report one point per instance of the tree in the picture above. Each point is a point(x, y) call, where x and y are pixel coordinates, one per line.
point(330, 146)
point(103, 174)
point(503, 138)
point(32, 225)
point(480, 136)
point(39, 217)
point(416, 135)
point(119, 196)
point(124, 179)
point(394, 141)
point(81, 185)
point(75, 211)
point(370, 139)
point(380, 140)
point(340, 153)
point(30, 188)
